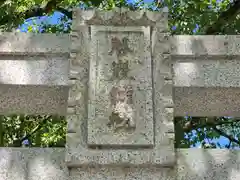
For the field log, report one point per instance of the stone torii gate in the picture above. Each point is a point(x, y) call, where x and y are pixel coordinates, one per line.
point(120, 79)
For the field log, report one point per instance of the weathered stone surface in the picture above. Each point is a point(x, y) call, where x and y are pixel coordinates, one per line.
point(212, 164)
point(205, 46)
point(80, 155)
point(32, 164)
point(104, 46)
point(207, 73)
point(187, 45)
point(120, 17)
point(162, 92)
point(33, 43)
point(33, 73)
point(33, 99)
point(122, 173)
point(73, 123)
point(200, 101)
point(234, 44)
point(45, 69)
point(48, 164)
point(104, 80)
point(206, 85)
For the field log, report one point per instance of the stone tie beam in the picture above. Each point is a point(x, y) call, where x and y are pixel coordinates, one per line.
point(206, 75)
point(33, 73)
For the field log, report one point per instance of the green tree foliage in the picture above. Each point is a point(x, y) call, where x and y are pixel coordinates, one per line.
point(185, 17)
point(34, 131)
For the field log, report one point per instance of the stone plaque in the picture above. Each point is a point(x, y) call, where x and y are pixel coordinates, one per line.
point(124, 69)
point(120, 87)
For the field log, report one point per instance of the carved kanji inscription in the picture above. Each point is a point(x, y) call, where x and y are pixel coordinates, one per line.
point(122, 110)
point(122, 115)
point(120, 69)
point(120, 94)
point(120, 46)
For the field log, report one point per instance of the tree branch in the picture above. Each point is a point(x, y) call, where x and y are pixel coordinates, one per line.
point(52, 5)
point(18, 142)
point(193, 126)
point(224, 18)
point(49, 7)
point(231, 138)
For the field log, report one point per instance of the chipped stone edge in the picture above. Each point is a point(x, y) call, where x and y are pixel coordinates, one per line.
point(107, 15)
point(120, 16)
point(163, 87)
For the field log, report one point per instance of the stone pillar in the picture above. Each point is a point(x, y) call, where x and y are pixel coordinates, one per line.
point(120, 108)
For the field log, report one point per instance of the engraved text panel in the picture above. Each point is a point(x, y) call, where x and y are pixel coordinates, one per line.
point(120, 87)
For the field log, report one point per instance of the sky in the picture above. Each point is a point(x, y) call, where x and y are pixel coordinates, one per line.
point(55, 18)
